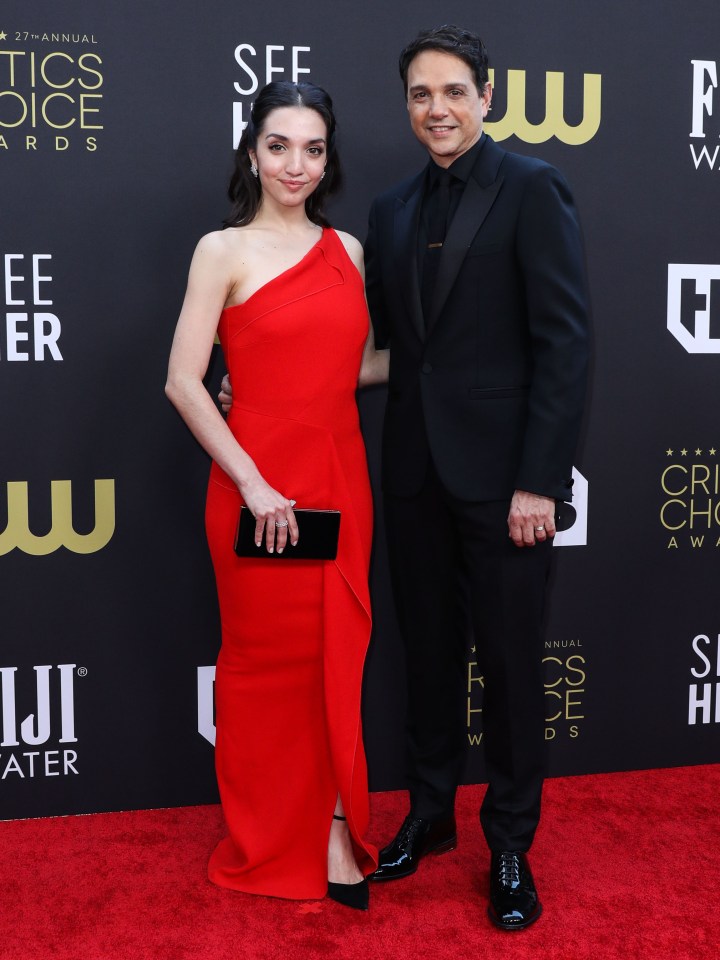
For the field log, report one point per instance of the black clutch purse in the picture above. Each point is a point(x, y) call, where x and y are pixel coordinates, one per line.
point(319, 531)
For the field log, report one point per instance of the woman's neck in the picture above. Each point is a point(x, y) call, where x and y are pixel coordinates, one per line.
point(285, 220)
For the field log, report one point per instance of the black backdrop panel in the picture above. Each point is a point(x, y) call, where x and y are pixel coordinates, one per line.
point(117, 126)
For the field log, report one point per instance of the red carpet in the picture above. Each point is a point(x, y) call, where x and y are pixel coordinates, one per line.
point(627, 866)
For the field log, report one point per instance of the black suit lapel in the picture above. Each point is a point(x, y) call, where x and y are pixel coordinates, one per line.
point(407, 215)
point(478, 197)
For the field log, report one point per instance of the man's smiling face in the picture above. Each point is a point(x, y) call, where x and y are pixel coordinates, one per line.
point(446, 110)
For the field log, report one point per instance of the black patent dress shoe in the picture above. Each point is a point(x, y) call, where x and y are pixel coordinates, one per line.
point(415, 838)
point(514, 901)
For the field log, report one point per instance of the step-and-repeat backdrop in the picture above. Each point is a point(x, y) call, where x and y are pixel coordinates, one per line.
point(117, 127)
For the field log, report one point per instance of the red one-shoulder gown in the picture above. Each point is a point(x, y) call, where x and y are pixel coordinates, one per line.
point(294, 633)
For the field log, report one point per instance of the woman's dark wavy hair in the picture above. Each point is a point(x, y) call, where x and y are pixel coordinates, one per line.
point(245, 192)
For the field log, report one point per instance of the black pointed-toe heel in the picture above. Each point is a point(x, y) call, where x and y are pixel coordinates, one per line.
point(355, 895)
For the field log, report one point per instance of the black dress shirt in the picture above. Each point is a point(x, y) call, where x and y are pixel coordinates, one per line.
point(439, 205)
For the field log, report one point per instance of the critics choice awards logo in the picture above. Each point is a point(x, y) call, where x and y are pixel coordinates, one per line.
point(51, 90)
point(565, 669)
point(690, 498)
point(38, 721)
point(260, 64)
point(705, 128)
point(704, 696)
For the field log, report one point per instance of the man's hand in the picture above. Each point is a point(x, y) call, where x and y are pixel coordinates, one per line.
point(225, 395)
point(531, 518)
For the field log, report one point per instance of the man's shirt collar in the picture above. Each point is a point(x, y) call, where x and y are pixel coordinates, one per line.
point(460, 168)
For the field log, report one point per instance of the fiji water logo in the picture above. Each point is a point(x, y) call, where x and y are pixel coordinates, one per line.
point(52, 702)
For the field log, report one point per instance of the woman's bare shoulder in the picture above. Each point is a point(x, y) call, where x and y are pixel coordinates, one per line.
point(222, 252)
point(220, 243)
point(352, 246)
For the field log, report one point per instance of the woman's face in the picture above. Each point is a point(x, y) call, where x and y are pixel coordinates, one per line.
point(291, 155)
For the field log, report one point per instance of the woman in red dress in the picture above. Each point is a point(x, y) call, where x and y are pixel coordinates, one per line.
point(284, 291)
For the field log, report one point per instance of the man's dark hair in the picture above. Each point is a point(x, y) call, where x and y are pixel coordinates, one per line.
point(244, 191)
point(450, 39)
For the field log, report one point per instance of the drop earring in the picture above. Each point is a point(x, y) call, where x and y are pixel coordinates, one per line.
point(253, 168)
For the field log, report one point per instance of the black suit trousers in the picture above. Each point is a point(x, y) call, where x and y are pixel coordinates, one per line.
point(459, 580)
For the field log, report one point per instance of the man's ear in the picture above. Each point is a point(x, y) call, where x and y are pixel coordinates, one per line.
point(487, 98)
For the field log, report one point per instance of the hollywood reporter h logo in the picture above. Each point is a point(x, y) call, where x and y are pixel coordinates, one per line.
point(18, 534)
point(571, 520)
point(693, 306)
point(516, 122)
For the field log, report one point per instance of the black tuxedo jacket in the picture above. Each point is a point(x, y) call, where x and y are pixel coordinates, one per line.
point(494, 391)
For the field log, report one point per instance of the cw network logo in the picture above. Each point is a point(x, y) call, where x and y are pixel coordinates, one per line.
point(554, 125)
point(572, 518)
point(17, 533)
point(693, 313)
point(705, 81)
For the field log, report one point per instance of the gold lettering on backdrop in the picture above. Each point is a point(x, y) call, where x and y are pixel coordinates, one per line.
point(54, 91)
point(664, 480)
point(564, 690)
point(475, 685)
point(693, 498)
point(17, 534)
point(515, 120)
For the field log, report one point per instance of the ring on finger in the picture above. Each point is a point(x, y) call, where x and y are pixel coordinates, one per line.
point(281, 523)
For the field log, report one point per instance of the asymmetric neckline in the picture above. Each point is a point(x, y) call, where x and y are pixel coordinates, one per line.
point(284, 273)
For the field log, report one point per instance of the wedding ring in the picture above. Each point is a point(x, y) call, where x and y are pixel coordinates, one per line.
point(281, 523)
point(293, 502)
point(539, 528)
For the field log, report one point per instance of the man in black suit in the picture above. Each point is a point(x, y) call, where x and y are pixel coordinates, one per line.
point(475, 279)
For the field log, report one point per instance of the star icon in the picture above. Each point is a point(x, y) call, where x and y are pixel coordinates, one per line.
point(473, 650)
point(698, 451)
point(3, 35)
point(669, 452)
point(712, 451)
point(683, 452)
